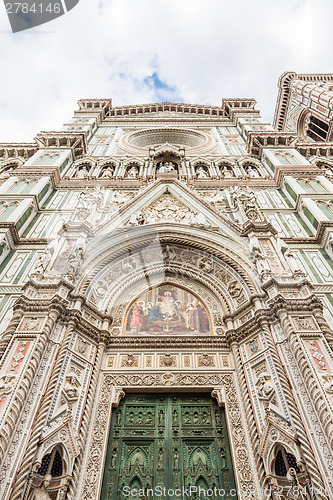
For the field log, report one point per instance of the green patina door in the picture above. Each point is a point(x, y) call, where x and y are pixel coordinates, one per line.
point(170, 441)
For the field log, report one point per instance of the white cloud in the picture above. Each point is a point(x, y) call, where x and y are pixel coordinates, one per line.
point(202, 50)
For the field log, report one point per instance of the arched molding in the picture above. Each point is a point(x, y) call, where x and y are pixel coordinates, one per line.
point(110, 162)
point(249, 162)
point(87, 161)
point(133, 161)
point(226, 254)
point(54, 447)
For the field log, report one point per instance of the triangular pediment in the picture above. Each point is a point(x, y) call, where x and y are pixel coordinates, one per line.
point(167, 202)
point(166, 148)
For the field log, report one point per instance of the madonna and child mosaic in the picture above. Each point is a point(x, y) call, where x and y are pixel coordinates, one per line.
point(167, 310)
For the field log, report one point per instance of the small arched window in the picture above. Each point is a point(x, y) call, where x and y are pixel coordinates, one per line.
point(283, 461)
point(51, 464)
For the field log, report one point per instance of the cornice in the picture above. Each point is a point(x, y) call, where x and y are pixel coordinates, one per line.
point(167, 342)
point(77, 142)
point(308, 149)
point(10, 151)
point(256, 141)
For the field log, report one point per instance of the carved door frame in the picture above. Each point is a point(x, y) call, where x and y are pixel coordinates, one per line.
point(112, 387)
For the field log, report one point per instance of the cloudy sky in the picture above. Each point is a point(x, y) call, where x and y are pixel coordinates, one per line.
point(141, 51)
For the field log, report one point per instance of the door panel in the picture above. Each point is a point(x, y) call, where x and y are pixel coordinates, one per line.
point(168, 441)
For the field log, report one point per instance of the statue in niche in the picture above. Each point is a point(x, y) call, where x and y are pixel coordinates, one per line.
point(118, 417)
point(291, 260)
point(227, 171)
point(223, 457)
point(201, 173)
point(252, 172)
point(160, 458)
point(42, 263)
point(107, 173)
point(166, 167)
point(260, 261)
point(82, 173)
point(75, 261)
point(133, 172)
point(41, 493)
point(175, 417)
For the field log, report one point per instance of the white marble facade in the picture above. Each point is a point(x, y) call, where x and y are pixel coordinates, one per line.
point(166, 247)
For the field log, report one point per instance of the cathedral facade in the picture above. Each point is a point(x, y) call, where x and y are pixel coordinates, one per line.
point(167, 302)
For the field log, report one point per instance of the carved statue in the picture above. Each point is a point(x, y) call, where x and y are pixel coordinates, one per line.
point(32, 323)
point(121, 197)
point(291, 260)
point(88, 200)
point(136, 219)
point(201, 173)
point(133, 172)
point(82, 173)
point(166, 167)
point(107, 173)
point(42, 262)
point(227, 172)
point(252, 172)
point(259, 260)
point(247, 203)
point(75, 261)
point(41, 493)
point(176, 459)
point(216, 198)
